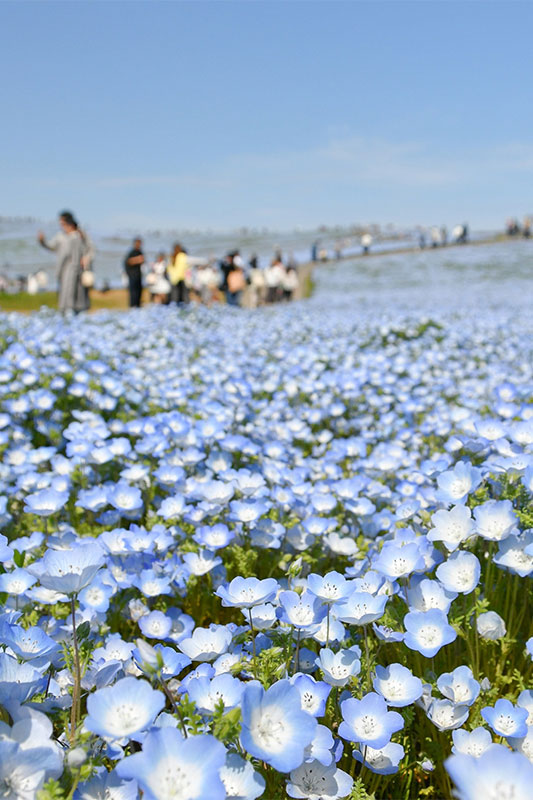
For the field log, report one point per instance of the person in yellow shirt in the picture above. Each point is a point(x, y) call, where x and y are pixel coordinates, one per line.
point(177, 271)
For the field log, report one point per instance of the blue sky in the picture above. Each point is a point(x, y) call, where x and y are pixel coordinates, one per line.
point(277, 114)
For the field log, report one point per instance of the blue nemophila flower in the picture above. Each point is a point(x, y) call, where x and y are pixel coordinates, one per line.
point(471, 743)
point(274, 727)
point(424, 594)
point(313, 694)
point(456, 484)
point(398, 561)
point(122, 710)
point(525, 700)
point(505, 719)
point(397, 685)
point(206, 644)
point(460, 686)
point(45, 502)
point(263, 616)
point(125, 498)
point(427, 631)
point(339, 667)
point(381, 760)
point(69, 571)
point(240, 779)
point(524, 745)
point(93, 499)
point(28, 643)
point(516, 554)
point(446, 715)
point(107, 785)
point(315, 781)
point(490, 626)
point(171, 766)
point(329, 588)
point(18, 682)
point(361, 608)
point(172, 507)
point(17, 581)
point(115, 649)
point(322, 746)
point(215, 492)
point(214, 537)
point(495, 519)
point(155, 625)
point(368, 721)
point(247, 511)
point(247, 592)
point(96, 595)
point(452, 527)
point(208, 693)
point(386, 634)
point(22, 771)
point(334, 632)
point(6, 552)
point(371, 582)
point(161, 659)
point(460, 573)
point(152, 584)
point(495, 774)
point(301, 611)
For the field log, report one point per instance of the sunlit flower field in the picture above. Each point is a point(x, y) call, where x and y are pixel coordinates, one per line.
point(277, 553)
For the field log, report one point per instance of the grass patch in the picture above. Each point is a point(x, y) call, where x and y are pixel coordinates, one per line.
point(24, 302)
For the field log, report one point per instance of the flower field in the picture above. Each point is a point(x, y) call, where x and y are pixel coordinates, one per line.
point(279, 553)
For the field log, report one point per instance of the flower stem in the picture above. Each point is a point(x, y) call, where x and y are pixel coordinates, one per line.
point(297, 654)
point(76, 690)
point(175, 707)
point(252, 630)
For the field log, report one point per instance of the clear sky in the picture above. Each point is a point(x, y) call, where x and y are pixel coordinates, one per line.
point(279, 114)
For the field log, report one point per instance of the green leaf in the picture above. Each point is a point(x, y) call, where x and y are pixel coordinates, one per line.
point(83, 631)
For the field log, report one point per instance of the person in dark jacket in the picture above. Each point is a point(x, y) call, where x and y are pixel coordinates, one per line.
point(133, 268)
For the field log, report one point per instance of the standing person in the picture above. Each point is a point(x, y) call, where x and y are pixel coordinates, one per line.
point(236, 282)
point(274, 277)
point(133, 267)
point(157, 280)
point(366, 242)
point(177, 272)
point(290, 283)
point(72, 248)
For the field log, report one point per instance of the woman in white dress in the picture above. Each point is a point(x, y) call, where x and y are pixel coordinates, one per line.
point(74, 252)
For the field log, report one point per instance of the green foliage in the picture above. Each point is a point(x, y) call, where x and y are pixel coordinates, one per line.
point(52, 790)
point(226, 727)
point(241, 561)
point(359, 791)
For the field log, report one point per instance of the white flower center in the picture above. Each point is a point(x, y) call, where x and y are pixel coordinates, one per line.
point(505, 723)
point(270, 732)
point(366, 726)
point(172, 780)
point(125, 718)
point(429, 635)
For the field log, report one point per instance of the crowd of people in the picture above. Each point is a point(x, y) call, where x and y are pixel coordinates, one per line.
point(513, 228)
point(178, 278)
